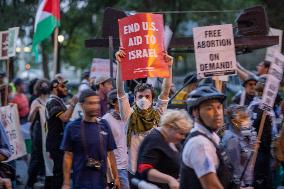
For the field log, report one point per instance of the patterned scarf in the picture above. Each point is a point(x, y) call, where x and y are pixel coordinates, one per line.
point(141, 121)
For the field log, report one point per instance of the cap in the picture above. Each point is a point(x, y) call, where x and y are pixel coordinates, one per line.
point(86, 74)
point(190, 78)
point(102, 79)
point(18, 81)
point(54, 83)
point(249, 78)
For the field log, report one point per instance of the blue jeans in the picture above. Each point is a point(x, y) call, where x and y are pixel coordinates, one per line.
point(123, 178)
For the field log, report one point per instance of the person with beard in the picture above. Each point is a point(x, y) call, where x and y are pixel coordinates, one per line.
point(247, 95)
point(202, 166)
point(21, 100)
point(103, 86)
point(57, 114)
point(88, 144)
point(143, 116)
point(36, 166)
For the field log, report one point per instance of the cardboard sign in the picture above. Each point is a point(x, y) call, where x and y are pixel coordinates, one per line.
point(48, 162)
point(142, 36)
point(4, 38)
point(9, 117)
point(214, 50)
point(274, 78)
point(101, 67)
point(276, 48)
point(13, 36)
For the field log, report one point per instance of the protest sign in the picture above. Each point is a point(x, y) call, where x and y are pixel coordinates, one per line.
point(101, 67)
point(273, 80)
point(13, 35)
point(48, 162)
point(142, 37)
point(4, 38)
point(270, 50)
point(214, 50)
point(10, 119)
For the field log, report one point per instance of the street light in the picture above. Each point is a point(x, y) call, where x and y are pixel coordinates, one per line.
point(27, 49)
point(60, 38)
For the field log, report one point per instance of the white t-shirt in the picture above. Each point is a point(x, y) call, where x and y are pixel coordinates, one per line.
point(200, 154)
point(119, 134)
point(136, 139)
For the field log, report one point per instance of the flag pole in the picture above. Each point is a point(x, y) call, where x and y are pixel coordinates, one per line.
point(55, 50)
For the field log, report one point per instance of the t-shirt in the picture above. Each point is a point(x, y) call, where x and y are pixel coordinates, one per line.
point(86, 142)
point(54, 108)
point(200, 154)
point(23, 104)
point(119, 134)
point(156, 153)
point(136, 138)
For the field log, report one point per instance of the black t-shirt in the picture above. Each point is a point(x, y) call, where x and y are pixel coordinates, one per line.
point(154, 151)
point(248, 99)
point(54, 108)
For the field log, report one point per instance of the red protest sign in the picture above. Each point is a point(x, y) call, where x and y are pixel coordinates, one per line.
point(142, 37)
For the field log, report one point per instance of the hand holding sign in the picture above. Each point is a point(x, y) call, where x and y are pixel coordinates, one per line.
point(141, 36)
point(121, 54)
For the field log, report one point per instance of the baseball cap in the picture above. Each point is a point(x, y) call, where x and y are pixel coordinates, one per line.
point(54, 83)
point(18, 81)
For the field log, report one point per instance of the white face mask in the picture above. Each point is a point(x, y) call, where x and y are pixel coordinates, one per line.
point(143, 103)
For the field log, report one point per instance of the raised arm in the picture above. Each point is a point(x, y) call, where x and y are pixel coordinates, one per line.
point(167, 82)
point(242, 72)
point(119, 83)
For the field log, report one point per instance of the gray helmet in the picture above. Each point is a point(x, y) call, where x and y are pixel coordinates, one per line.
point(202, 94)
point(249, 78)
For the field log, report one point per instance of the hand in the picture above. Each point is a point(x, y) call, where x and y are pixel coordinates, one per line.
point(173, 183)
point(6, 183)
point(168, 59)
point(37, 108)
point(66, 186)
point(117, 183)
point(74, 100)
point(120, 54)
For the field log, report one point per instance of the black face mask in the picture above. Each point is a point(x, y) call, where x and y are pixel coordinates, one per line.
point(44, 90)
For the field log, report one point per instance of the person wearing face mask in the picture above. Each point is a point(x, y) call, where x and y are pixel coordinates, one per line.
point(239, 142)
point(21, 100)
point(57, 114)
point(36, 165)
point(159, 153)
point(143, 116)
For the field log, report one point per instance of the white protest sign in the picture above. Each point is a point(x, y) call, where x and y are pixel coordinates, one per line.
point(13, 36)
point(4, 38)
point(276, 48)
point(10, 119)
point(214, 49)
point(273, 80)
point(101, 67)
point(48, 162)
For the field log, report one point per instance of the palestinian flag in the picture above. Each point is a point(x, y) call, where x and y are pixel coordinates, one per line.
point(47, 19)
